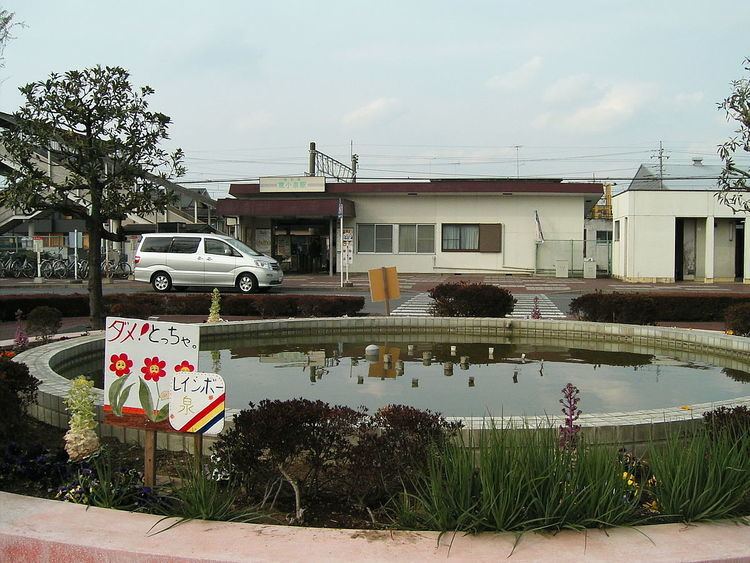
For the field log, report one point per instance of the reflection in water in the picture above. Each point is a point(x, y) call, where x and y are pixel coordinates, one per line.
point(335, 369)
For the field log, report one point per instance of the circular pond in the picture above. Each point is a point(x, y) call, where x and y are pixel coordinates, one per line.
point(489, 376)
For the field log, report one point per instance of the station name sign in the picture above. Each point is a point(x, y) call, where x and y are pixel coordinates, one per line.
point(288, 184)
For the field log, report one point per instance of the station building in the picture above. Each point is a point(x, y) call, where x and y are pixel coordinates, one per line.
point(419, 226)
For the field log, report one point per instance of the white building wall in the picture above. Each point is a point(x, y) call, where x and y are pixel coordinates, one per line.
point(649, 253)
point(561, 218)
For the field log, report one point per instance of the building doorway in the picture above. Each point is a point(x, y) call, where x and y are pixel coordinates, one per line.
point(301, 248)
point(739, 251)
point(679, 249)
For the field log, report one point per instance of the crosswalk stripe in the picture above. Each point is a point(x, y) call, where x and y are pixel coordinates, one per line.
point(419, 305)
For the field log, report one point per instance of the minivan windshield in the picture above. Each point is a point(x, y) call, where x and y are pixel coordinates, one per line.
point(245, 248)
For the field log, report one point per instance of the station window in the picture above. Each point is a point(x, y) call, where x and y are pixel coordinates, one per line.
point(463, 237)
point(603, 236)
point(418, 239)
point(374, 238)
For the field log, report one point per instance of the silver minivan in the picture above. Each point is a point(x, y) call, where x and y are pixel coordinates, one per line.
point(179, 260)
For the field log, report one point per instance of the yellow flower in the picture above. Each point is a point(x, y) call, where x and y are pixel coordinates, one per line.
point(686, 408)
point(729, 331)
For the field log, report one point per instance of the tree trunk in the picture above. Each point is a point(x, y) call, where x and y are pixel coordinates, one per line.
point(96, 298)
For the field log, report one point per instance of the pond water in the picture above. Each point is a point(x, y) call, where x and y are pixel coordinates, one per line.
point(518, 378)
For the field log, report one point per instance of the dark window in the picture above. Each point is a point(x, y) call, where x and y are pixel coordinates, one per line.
point(472, 237)
point(375, 238)
point(214, 246)
point(603, 236)
point(156, 244)
point(184, 245)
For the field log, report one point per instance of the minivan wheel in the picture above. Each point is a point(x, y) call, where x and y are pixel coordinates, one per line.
point(161, 282)
point(247, 283)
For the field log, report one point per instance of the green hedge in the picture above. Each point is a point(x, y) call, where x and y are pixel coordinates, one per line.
point(642, 308)
point(737, 318)
point(143, 305)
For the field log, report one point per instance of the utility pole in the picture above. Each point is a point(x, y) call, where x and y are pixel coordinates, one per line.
point(518, 173)
point(311, 168)
point(662, 157)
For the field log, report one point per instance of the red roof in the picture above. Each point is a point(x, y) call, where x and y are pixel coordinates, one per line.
point(439, 187)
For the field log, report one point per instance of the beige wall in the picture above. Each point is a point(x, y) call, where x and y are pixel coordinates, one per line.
point(651, 234)
point(561, 218)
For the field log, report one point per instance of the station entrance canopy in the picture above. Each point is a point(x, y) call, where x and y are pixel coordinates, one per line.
point(313, 208)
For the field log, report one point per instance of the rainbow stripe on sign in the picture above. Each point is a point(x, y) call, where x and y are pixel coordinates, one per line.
point(205, 419)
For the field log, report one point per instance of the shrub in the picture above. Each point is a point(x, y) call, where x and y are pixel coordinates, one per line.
point(396, 442)
point(44, 321)
point(305, 443)
point(639, 308)
point(471, 300)
point(144, 305)
point(735, 421)
point(737, 319)
point(18, 389)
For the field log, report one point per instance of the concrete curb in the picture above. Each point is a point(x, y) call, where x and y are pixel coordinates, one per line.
point(34, 530)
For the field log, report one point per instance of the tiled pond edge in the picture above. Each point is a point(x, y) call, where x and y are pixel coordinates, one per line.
point(623, 428)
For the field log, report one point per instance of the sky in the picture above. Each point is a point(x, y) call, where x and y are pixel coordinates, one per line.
point(572, 90)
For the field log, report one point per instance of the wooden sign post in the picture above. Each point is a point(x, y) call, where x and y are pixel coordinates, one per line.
point(384, 286)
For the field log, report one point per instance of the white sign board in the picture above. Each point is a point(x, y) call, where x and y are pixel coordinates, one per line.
point(38, 244)
point(293, 184)
point(141, 359)
point(196, 403)
point(348, 249)
point(263, 240)
point(347, 235)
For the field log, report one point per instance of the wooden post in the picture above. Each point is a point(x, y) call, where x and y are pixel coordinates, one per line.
point(149, 459)
point(387, 293)
point(198, 451)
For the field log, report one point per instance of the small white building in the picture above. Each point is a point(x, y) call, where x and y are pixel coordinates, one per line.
point(427, 226)
point(669, 226)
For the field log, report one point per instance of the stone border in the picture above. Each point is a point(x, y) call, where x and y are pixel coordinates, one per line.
point(625, 428)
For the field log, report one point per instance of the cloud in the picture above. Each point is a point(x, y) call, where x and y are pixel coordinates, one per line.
point(613, 106)
point(688, 99)
point(376, 110)
point(517, 77)
point(568, 89)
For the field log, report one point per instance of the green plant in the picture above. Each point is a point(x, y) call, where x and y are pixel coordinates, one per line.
point(737, 319)
point(734, 420)
point(214, 312)
point(98, 482)
point(471, 300)
point(699, 476)
point(520, 479)
point(81, 440)
point(18, 390)
point(44, 321)
point(196, 495)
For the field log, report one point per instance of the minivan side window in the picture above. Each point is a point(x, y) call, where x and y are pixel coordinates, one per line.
point(156, 244)
point(184, 245)
point(213, 246)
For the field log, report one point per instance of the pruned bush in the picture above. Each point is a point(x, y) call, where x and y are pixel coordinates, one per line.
point(397, 442)
point(737, 319)
point(465, 299)
point(44, 321)
point(304, 443)
point(144, 305)
point(18, 389)
point(643, 309)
